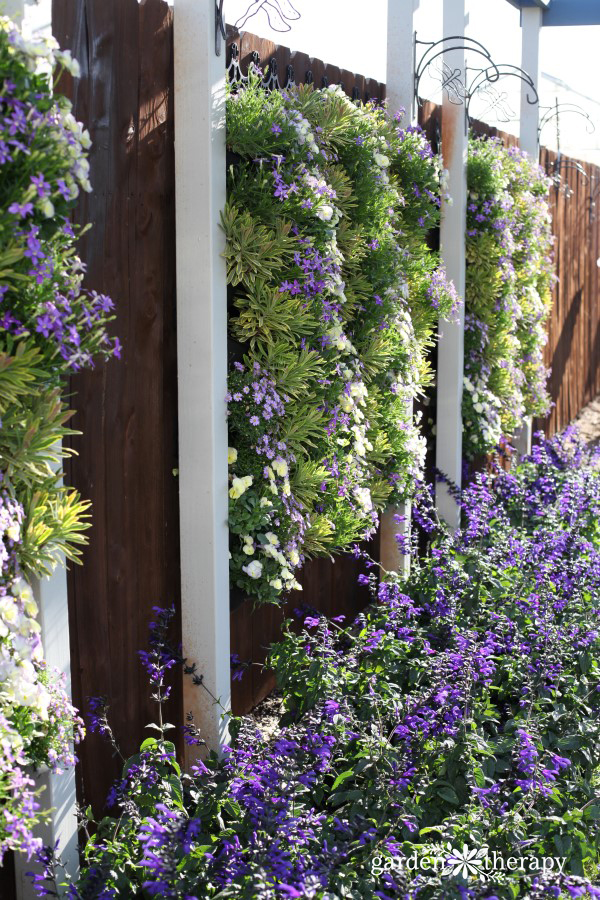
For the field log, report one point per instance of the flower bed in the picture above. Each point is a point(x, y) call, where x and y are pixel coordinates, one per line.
point(49, 328)
point(333, 297)
point(461, 710)
point(509, 280)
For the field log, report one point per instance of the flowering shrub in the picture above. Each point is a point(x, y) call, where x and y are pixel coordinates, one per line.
point(49, 327)
point(462, 707)
point(333, 297)
point(509, 279)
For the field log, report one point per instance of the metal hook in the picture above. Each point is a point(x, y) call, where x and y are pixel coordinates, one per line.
point(220, 31)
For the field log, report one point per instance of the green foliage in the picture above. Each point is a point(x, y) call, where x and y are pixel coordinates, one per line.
point(334, 296)
point(509, 279)
point(457, 716)
point(50, 327)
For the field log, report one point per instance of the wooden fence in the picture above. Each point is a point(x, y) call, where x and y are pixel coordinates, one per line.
point(573, 349)
point(127, 410)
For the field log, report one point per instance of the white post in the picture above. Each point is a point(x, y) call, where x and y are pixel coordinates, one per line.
point(452, 241)
point(13, 9)
point(59, 793)
point(400, 88)
point(202, 362)
point(400, 81)
point(531, 24)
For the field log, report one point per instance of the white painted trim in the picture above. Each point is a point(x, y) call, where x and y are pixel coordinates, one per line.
point(452, 242)
point(200, 195)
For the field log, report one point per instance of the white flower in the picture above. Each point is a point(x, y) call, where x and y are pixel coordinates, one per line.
point(363, 497)
point(272, 538)
point(381, 160)
point(253, 569)
point(231, 455)
point(294, 557)
point(9, 611)
point(264, 501)
point(280, 466)
point(248, 549)
point(13, 532)
point(21, 590)
point(276, 583)
point(325, 212)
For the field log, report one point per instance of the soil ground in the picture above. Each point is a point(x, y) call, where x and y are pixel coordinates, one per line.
point(588, 422)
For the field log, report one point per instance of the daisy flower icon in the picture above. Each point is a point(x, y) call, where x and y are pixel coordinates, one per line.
point(465, 862)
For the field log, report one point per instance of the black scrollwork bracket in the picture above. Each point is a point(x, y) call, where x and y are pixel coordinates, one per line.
point(459, 85)
point(561, 164)
point(594, 191)
point(279, 14)
point(220, 32)
point(560, 109)
point(273, 81)
point(485, 78)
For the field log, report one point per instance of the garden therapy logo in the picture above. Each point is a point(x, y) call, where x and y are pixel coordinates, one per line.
point(466, 863)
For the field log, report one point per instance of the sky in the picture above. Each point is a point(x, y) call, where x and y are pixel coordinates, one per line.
point(352, 34)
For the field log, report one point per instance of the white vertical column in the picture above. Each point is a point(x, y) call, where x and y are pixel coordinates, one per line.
point(58, 791)
point(400, 88)
point(13, 9)
point(400, 82)
point(202, 361)
point(531, 24)
point(452, 241)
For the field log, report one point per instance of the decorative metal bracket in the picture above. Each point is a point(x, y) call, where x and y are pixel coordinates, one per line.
point(484, 78)
point(594, 191)
point(220, 31)
point(272, 81)
point(453, 81)
point(461, 89)
point(559, 109)
point(559, 164)
point(279, 14)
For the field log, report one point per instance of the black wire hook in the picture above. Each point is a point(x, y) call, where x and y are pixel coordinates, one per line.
point(220, 31)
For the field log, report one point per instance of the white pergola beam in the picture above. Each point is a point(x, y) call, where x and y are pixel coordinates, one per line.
point(200, 195)
point(452, 243)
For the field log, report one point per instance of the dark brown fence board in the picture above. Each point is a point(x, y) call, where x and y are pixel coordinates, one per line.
point(126, 410)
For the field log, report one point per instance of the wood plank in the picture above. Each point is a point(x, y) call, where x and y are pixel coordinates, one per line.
point(126, 410)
